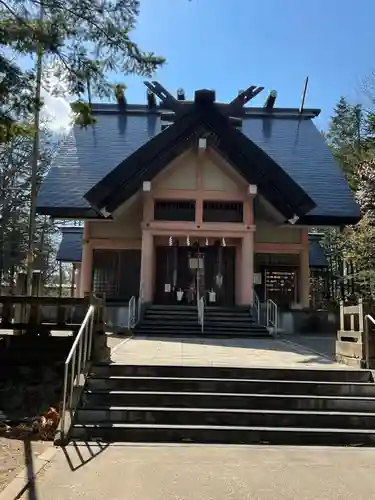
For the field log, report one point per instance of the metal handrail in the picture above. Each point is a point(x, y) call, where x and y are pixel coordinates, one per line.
point(140, 303)
point(256, 305)
point(201, 306)
point(132, 313)
point(368, 318)
point(272, 315)
point(75, 364)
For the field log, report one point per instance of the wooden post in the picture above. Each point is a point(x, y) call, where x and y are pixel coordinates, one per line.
point(36, 283)
point(100, 349)
point(361, 315)
point(342, 326)
point(60, 279)
point(72, 283)
point(20, 309)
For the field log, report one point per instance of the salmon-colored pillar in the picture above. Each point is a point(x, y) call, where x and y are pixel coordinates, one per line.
point(147, 265)
point(86, 266)
point(304, 271)
point(247, 269)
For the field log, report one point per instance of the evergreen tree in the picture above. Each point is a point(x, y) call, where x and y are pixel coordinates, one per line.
point(346, 136)
point(15, 158)
point(87, 38)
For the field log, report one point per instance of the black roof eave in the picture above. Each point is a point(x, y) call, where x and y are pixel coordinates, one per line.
point(274, 183)
point(69, 212)
point(134, 165)
point(328, 220)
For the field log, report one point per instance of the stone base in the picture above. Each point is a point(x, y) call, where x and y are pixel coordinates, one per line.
point(101, 352)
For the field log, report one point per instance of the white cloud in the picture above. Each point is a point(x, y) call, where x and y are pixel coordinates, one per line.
point(56, 113)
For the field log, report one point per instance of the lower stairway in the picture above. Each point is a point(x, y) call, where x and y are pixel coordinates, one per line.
point(195, 404)
point(234, 321)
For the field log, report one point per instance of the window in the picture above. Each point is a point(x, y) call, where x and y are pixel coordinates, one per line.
point(220, 211)
point(116, 273)
point(174, 210)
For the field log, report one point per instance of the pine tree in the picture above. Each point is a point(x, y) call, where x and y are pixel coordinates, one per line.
point(346, 136)
point(87, 38)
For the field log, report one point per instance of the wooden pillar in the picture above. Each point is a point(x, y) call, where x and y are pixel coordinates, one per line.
point(20, 309)
point(304, 271)
point(36, 283)
point(238, 272)
point(87, 261)
point(247, 269)
point(148, 208)
point(147, 267)
point(73, 280)
point(78, 280)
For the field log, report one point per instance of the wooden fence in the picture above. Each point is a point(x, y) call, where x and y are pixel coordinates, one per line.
point(355, 344)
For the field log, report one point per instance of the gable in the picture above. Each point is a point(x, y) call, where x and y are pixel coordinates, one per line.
point(216, 178)
point(206, 171)
point(179, 174)
point(242, 154)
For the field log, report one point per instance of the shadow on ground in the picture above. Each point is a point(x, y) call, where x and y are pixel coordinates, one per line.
point(321, 348)
point(79, 454)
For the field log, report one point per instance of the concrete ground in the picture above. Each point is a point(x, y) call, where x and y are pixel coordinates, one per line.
point(242, 352)
point(189, 472)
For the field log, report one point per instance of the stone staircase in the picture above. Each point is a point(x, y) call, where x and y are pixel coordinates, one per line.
point(183, 321)
point(227, 405)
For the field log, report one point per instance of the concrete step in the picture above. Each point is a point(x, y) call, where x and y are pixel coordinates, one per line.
point(247, 386)
point(221, 434)
point(225, 417)
point(159, 332)
point(259, 373)
point(227, 400)
point(230, 320)
point(170, 314)
point(197, 332)
point(170, 324)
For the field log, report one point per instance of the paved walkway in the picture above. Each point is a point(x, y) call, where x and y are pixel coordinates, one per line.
point(119, 472)
point(218, 352)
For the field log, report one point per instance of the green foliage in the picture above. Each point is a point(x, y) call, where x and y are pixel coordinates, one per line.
point(87, 38)
point(119, 91)
point(351, 136)
point(345, 136)
point(82, 113)
point(14, 210)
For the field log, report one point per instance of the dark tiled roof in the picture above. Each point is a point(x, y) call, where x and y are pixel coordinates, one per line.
point(317, 256)
point(70, 249)
point(87, 155)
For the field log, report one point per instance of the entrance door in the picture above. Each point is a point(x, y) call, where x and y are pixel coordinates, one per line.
point(192, 269)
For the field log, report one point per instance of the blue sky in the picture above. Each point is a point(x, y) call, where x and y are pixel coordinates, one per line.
point(230, 44)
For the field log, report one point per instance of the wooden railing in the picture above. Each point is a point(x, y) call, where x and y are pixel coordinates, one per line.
point(41, 315)
point(355, 344)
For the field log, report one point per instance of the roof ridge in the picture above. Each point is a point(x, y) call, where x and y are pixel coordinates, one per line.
point(253, 111)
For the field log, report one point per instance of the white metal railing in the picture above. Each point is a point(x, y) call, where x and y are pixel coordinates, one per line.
point(132, 313)
point(272, 315)
point(75, 368)
point(200, 304)
point(368, 319)
point(256, 306)
point(140, 303)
